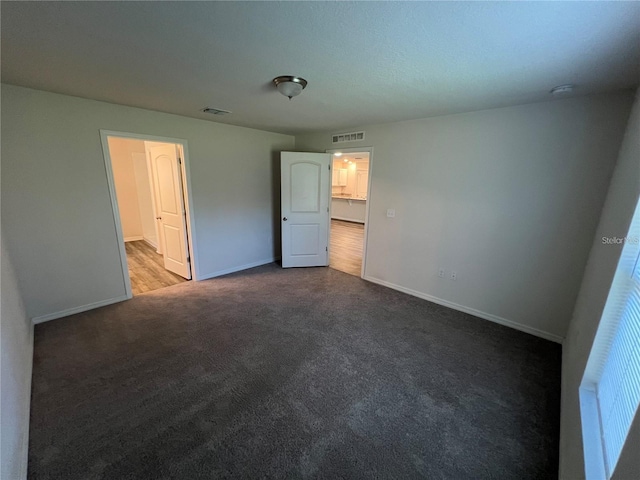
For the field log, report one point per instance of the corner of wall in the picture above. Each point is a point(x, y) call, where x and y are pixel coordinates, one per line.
point(17, 364)
point(27, 410)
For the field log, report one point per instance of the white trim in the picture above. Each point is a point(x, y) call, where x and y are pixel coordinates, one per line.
point(135, 238)
point(150, 243)
point(80, 309)
point(472, 311)
point(227, 271)
point(363, 270)
point(24, 464)
point(351, 220)
point(594, 463)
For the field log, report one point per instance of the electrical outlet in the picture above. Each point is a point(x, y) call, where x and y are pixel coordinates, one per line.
point(454, 276)
point(441, 272)
point(391, 212)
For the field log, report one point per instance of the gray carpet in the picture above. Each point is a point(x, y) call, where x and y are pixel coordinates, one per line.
point(300, 373)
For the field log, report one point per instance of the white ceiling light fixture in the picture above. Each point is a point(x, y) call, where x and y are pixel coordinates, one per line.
point(562, 89)
point(215, 111)
point(337, 154)
point(289, 85)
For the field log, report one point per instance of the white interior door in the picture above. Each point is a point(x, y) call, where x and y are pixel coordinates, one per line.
point(170, 208)
point(305, 188)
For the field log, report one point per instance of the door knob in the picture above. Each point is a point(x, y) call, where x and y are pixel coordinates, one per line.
point(284, 219)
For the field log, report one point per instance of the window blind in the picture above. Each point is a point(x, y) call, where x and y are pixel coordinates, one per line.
point(610, 387)
point(618, 390)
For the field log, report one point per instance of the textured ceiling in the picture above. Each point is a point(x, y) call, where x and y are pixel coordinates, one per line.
point(366, 62)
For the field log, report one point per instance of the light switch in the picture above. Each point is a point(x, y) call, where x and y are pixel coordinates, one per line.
point(391, 212)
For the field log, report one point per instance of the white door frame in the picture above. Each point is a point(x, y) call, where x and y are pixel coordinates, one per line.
point(368, 203)
point(188, 198)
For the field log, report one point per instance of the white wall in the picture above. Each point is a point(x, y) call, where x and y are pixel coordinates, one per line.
point(16, 334)
point(133, 189)
point(628, 467)
point(56, 208)
point(126, 183)
point(509, 198)
point(615, 219)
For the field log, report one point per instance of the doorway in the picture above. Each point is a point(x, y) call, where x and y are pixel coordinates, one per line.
point(149, 190)
point(318, 228)
point(350, 185)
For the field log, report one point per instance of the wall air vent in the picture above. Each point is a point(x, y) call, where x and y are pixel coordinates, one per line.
point(215, 111)
point(347, 137)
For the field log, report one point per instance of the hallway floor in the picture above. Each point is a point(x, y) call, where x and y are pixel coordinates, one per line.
point(347, 239)
point(146, 268)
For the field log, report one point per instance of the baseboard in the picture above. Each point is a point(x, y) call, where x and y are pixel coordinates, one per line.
point(345, 219)
point(133, 239)
point(150, 243)
point(27, 416)
point(472, 311)
point(80, 309)
point(237, 269)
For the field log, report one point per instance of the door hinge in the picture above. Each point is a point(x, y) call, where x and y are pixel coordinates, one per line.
point(179, 160)
point(329, 166)
point(326, 249)
point(327, 209)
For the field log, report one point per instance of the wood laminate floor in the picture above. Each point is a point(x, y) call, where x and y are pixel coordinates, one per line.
point(146, 268)
point(347, 239)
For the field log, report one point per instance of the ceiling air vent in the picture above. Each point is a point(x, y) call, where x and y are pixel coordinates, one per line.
point(215, 111)
point(347, 137)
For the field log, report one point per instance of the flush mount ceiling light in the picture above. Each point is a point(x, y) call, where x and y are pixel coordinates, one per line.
point(337, 154)
point(562, 89)
point(290, 86)
point(215, 111)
